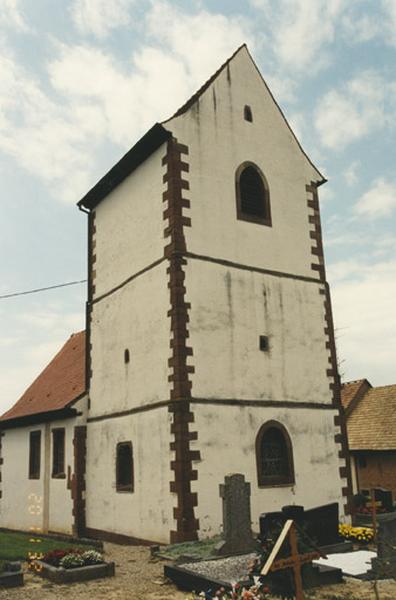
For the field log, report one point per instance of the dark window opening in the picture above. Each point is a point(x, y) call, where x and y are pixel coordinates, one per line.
point(126, 356)
point(274, 456)
point(34, 454)
point(247, 113)
point(252, 195)
point(58, 453)
point(124, 467)
point(264, 347)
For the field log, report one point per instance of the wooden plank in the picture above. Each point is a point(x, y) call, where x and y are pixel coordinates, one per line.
point(287, 563)
point(276, 548)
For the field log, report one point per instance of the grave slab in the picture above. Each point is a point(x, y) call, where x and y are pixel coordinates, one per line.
point(354, 564)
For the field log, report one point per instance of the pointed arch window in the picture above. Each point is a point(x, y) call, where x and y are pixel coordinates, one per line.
point(274, 456)
point(252, 195)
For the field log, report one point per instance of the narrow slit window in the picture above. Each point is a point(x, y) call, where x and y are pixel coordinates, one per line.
point(247, 113)
point(263, 343)
point(58, 453)
point(34, 454)
point(124, 467)
point(126, 356)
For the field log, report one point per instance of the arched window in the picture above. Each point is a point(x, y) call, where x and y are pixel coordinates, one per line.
point(252, 194)
point(274, 456)
point(124, 467)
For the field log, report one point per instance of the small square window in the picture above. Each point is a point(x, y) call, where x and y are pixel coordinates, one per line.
point(264, 346)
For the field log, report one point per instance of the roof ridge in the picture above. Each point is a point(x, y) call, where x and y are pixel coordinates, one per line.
point(204, 87)
point(354, 381)
point(379, 387)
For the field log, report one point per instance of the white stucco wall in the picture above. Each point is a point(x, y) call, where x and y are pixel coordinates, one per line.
point(147, 512)
point(230, 309)
point(134, 317)
point(30, 503)
point(226, 440)
point(219, 140)
point(129, 225)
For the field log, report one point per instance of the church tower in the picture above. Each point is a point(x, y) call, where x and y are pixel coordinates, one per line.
point(210, 336)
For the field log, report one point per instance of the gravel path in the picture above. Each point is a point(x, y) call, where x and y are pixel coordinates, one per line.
point(139, 578)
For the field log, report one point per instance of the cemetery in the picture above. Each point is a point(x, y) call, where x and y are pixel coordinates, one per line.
point(297, 554)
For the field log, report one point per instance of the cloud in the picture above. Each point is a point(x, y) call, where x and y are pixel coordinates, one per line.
point(55, 127)
point(99, 17)
point(202, 41)
point(389, 21)
point(283, 88)
point(301, 30)
point(11, 16)
point(350, 174)
point(44, 136)
point(365, 320)
point(32, 337)
point(361, 28)
point(363, 105)
point(379, 201)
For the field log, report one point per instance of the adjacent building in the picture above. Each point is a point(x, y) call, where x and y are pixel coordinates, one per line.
point(371, 424)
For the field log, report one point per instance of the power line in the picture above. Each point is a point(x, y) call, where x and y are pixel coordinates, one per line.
point(44, 289)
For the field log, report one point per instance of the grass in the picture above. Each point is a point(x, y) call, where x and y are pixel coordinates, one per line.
point(200, 549)
point(16, 546)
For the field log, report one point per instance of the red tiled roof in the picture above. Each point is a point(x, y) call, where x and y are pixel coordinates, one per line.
point(372, 423)
point(350, 390)
point(61, 382)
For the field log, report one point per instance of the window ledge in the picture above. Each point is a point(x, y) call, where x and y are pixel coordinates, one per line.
point(125, 489)
point(276, 485)
point(58, 475)
point(252, 219)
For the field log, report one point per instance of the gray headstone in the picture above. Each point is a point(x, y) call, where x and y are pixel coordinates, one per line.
point(385, 563)
point(386, 536)
point(237, 531)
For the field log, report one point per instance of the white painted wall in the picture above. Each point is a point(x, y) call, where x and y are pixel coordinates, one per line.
point(226, 440)
point(228, 313)
point(230, 309)
point(219, 140)
point(129, 225)
point(135, 317)
point(146, 513)
point(23, 503)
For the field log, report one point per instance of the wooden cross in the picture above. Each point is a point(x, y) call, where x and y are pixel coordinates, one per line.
point(294, 561)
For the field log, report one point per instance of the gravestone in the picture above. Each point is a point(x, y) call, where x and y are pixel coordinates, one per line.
point(385, 563)
point(385, 497)
point(320, 523)
point(269, 522)
point(237, 531)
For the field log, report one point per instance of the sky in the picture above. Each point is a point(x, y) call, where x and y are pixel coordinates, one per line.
point(82, 80)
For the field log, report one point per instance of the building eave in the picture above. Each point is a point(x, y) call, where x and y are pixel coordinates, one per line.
point(36, 418)
point(151, 141)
